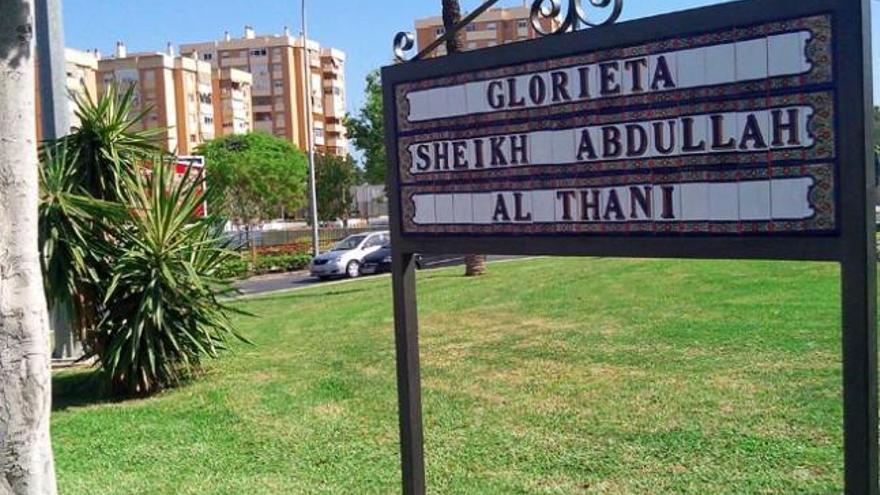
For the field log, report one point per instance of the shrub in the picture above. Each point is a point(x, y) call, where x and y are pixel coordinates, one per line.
point(162, 313)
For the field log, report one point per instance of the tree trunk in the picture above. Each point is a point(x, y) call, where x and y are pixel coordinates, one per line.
point(26, 465)
point(474, 264)
point(451, 17)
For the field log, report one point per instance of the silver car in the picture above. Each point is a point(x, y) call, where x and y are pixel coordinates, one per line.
point(345, 258)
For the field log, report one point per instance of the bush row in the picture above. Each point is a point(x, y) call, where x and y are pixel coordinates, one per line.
point(243, 266)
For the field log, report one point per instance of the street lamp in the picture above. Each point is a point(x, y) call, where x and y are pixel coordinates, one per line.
point(310, 148)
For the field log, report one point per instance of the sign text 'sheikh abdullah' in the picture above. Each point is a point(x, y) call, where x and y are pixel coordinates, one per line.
point(724, 134)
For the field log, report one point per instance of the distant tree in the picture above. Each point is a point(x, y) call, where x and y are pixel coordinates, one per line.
point(257, 174)
point(367, 130)
point(335, 176)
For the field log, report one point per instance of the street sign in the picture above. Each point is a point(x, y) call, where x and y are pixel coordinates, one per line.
point(736, 131)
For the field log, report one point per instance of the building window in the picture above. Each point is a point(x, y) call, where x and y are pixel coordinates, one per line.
point(259, 52)
point(207, 56)
point(522, 24)
point(441, 31)
point(278, 84)
point(491, 26)
point(471, 27)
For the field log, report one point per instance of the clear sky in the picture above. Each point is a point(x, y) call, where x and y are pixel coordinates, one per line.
point(364, 29)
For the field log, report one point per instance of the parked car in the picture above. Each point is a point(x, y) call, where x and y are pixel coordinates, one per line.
point(380, 261)
point(345, 258)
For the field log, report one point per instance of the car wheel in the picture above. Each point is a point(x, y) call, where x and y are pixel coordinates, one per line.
point(353, 269)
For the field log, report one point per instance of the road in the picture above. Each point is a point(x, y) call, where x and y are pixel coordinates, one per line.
point(285, 281)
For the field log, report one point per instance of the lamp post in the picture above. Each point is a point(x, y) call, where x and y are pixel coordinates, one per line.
point(55, 123)
point(310, 148)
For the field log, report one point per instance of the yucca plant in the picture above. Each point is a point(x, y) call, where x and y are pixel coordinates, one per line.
point(81, 179)
point(74, 245)
point(163, 309)
point(109, 141)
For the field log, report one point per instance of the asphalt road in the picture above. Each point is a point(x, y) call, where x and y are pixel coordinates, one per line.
point(284, 281)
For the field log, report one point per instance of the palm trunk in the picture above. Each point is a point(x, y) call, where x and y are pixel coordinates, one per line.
point(26, 464)
point(475, 264)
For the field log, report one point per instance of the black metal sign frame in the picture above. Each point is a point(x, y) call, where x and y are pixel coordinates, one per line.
point(852, 244)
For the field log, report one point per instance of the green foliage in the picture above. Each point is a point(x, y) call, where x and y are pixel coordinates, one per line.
point(334, 178)
point(367, 131)
point(125, 254)
point(162, 313)
point(240, 266)
point(281, 263)
point(256, 174)
point(108, 144)
point(71, 227)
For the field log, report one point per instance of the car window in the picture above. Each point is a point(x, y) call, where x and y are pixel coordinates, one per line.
point(348, 243)
point(373, 241)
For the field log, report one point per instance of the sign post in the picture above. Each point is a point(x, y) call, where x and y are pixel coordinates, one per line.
point(739, 131)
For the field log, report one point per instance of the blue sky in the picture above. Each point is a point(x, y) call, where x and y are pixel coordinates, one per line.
point(363, 29)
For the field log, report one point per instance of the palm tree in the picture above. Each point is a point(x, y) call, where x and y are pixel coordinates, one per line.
point(25, 379)
point(475, 264)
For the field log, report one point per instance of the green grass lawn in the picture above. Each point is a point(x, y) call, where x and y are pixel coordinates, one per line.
point(547, 376)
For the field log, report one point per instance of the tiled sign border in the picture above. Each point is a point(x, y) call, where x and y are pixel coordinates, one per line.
point(819, 49)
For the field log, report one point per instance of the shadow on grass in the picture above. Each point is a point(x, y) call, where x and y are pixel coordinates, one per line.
point(78, 389)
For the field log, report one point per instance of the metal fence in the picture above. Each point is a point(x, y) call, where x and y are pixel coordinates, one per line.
point(299, 238)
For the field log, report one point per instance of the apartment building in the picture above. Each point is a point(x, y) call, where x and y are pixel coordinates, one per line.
point(494, 27)
point(232, 102)
point(278, 66)
point(81, 71)
point(175, 91)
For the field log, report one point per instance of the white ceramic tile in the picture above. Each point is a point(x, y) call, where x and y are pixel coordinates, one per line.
point(574, 84)
point(670, 134)
point(560, 197)
point(438, 103)
point(720, 64)
point(419, 106)
point(633, 208)
point(691, 68)
point(751, 59)
point(671, 59)
point(595, 137)
point(563, 146)
point(695, 201)
point(724, 201)
point(476, 98)
point(462, 205)
point(659, 199)
point(424, 209)
point(443, 208)
point(521, 211)
point(541, 148)
point(804, 114)
point(483, 207)
point(789, 198)
point(754, 200)
point(700, 133)
point(592, 77)
point(762, 117)
point(623, 201)
point(729, 129)
point(787, 53)
point(456, 100)
point(627, 80)
point(544, 205)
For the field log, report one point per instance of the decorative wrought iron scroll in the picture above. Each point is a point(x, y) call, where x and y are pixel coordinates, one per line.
point(575, 18)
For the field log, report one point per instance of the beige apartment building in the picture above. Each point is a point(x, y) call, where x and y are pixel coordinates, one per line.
point(494, 27)
point(175, 91)
point(276, 63)
point(82, 69)
point(232, 102)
